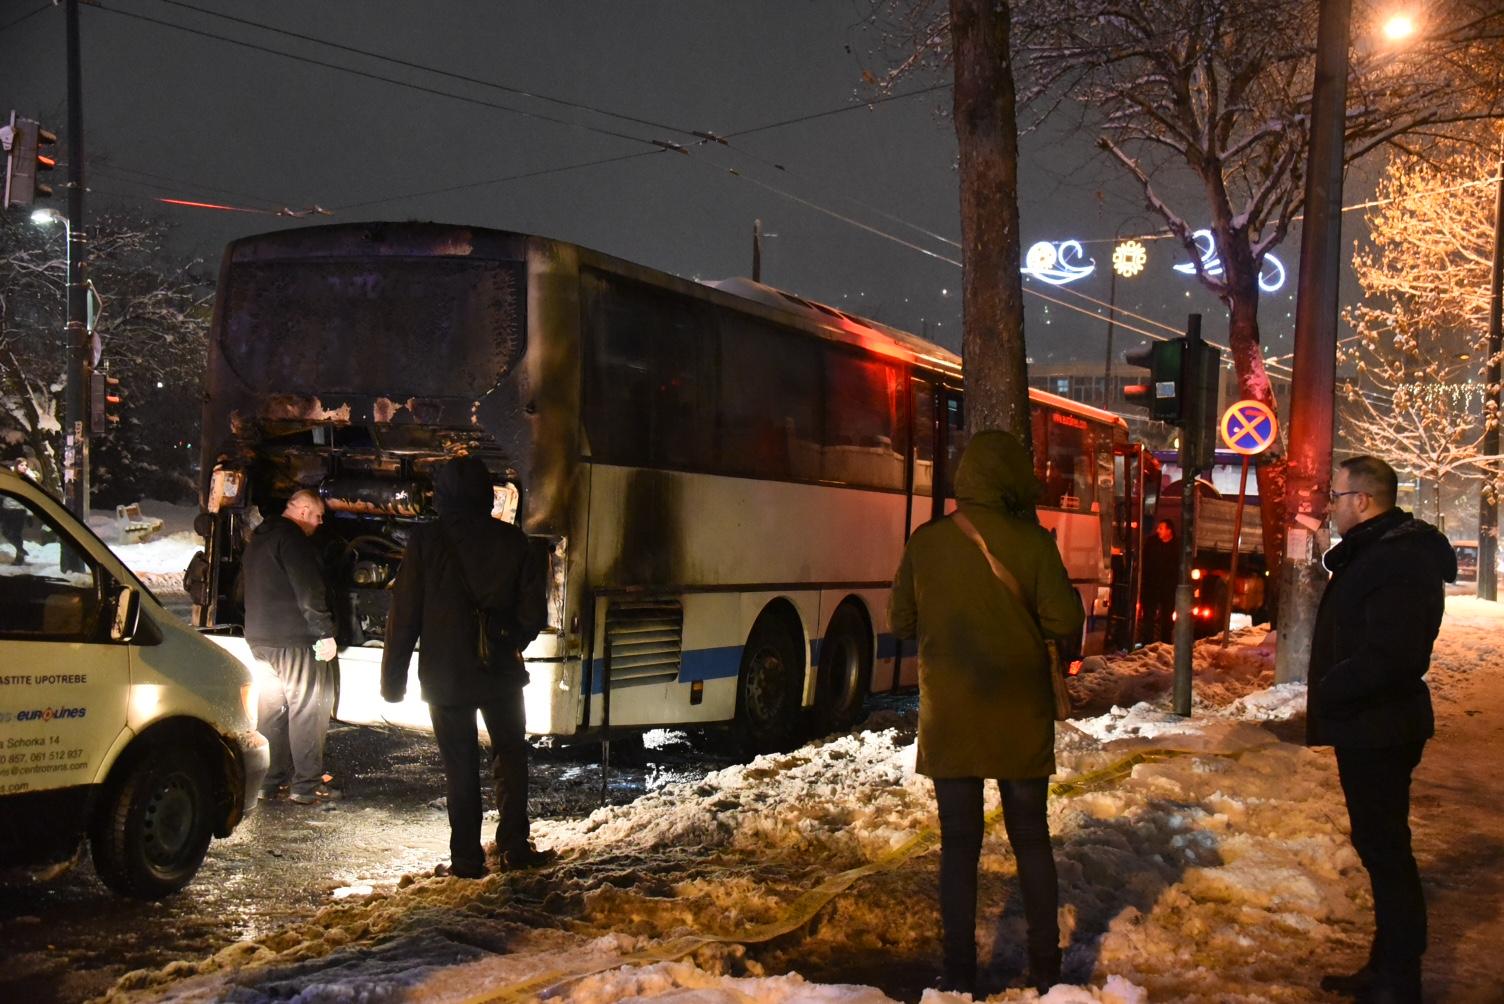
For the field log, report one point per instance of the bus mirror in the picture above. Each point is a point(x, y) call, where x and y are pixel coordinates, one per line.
point(127, 617)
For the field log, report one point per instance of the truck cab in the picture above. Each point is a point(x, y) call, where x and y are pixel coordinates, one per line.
point(120, 727)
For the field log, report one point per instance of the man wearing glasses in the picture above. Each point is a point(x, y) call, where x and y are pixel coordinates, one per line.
point(1367, 698)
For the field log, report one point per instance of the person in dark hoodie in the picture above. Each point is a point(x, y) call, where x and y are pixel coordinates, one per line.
point(462, 563)
point(288, 625)
point(1370, 649)
point(986, 705)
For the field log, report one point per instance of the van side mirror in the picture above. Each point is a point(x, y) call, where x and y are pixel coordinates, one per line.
point(127, 617)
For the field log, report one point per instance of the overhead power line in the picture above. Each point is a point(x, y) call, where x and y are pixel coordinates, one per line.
point(309, 60)
point(427, 68)
point(24, 17)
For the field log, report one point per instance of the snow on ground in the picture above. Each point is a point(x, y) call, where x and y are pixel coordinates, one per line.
point(1216, 867)
point(159, 560)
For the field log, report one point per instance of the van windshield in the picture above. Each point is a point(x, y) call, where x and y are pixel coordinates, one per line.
point(390, 326)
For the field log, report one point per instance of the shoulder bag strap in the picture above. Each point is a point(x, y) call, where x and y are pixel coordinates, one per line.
point(998, 569)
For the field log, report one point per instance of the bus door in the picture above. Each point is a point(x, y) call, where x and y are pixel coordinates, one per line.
point(1128, 519)
point(939, 436)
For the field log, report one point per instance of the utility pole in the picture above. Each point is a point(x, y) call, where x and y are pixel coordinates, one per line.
point(76, 412)
point(1488, 509)
point(757, 250)
point(1302, 577)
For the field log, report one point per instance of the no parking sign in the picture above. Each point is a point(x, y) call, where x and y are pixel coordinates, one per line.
point(1249, 427)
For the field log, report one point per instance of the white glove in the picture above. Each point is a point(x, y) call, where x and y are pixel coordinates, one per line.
point(325, 649)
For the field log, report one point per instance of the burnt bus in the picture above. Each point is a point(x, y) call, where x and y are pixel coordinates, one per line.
point(720, 476)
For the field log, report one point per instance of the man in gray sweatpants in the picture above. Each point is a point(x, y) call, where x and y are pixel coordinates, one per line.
point(289, 626)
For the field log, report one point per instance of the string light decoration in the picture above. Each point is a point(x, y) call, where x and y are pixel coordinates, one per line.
point(1058, 264)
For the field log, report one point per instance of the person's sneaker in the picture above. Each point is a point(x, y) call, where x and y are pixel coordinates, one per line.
point(527, 857)
point(315, 796)
point(273, 792)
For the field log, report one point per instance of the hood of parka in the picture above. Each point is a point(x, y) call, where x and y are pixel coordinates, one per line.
point(462, 487)
point(996, 472)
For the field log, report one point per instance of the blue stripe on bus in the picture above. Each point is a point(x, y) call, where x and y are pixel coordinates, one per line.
point(726, 662)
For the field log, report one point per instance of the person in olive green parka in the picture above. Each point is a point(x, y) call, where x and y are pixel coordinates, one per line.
point(986, 708)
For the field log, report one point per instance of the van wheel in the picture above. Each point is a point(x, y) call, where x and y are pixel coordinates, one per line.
point(845, 671)
point(152, 829)
point(769, 686)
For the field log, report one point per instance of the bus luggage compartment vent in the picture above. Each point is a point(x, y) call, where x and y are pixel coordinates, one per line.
point(645, 640)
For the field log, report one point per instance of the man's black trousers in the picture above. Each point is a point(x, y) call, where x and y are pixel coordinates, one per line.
point(1024, 817)
point(459, 748)
point(1377, 785)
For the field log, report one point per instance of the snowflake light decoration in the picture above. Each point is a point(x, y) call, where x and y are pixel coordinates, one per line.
point(1129, 258)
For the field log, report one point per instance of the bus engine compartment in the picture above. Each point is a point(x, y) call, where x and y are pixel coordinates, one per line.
point(376, 482)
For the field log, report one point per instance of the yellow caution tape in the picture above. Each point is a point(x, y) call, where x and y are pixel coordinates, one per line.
point(804, 908)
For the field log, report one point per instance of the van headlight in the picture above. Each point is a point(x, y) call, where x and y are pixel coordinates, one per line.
point(249, 701)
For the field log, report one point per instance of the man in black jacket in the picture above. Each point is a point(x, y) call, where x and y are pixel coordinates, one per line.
point(289, 625)
point(1370, 648)
point(462, 563)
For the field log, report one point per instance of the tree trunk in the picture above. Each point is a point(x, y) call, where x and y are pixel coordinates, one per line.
point(997, 382)
point(1253, 383)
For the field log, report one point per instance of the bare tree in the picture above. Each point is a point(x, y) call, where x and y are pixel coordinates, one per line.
point(153, 331)
point(1420, 353)
point(1206, 104)
point(997, 379)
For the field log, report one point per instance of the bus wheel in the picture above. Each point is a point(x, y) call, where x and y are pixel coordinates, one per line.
point(767, 693)
point(845, 670)
point(152, 829)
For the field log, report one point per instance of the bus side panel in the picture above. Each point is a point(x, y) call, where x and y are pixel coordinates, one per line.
point(671, 529)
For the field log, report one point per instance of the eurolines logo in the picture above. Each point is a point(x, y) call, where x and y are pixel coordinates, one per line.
point(50, 714)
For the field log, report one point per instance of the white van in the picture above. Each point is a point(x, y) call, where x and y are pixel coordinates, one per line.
point(119, 724)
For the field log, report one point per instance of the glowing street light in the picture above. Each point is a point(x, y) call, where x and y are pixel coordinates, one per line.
point(1399, 27)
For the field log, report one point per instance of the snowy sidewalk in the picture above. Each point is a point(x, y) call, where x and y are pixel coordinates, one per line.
point(1220, 874)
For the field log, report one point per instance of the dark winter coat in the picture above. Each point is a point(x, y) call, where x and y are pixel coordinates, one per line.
point(1161, 568)
point(1374, 629)
point(985, 703)
point(430, 600)
point(286, 597)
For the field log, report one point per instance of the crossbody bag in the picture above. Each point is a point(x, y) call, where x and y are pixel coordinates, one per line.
point(1062, 696)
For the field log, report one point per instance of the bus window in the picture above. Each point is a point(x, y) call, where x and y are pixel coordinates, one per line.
point(403, 326)
point(955, 439)
point(769, 402)
point(863, 445)
point(1066, 466)
point(649, 377)
point(924, 438)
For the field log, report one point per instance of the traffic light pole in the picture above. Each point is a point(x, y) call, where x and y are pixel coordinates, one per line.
point(1185, 623)
point(76, 411)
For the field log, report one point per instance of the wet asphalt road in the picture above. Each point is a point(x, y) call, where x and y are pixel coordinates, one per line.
point(70, 939)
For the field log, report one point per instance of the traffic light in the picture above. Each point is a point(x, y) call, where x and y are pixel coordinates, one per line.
point(104, 399)
point(1182, 389)
point(1198, 390)
point(30, 155)
point(1162, 395)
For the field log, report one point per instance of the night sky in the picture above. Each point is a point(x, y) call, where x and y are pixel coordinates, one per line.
point(176, 114)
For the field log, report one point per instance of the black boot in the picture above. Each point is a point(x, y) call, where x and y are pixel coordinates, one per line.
point(1351, 984)
point(958, 979)
point(1392, 988)
point(1044, 968)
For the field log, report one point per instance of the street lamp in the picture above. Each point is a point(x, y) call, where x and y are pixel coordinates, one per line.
point(1399, 27)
